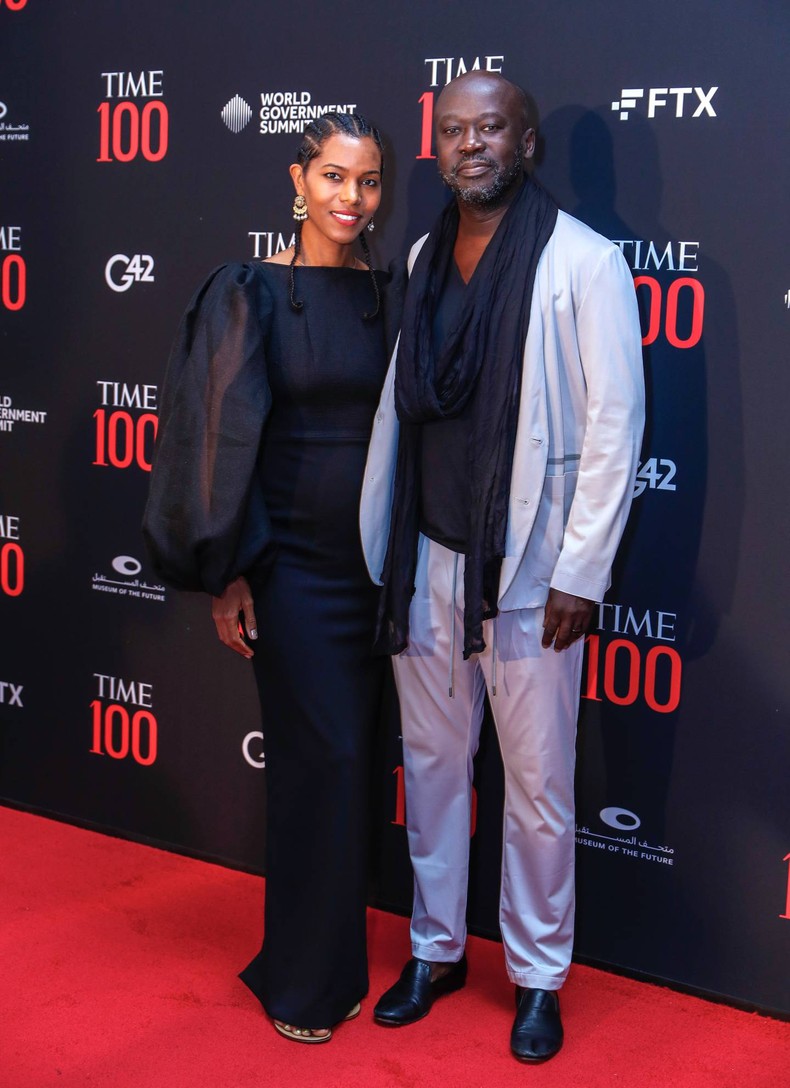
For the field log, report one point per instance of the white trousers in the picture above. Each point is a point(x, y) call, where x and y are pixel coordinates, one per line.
point(534, 696)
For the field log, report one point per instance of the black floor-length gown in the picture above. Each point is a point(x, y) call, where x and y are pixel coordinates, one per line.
point(264, 423)
point(319, 685)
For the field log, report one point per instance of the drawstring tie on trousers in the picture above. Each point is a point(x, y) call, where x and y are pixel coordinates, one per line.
point(451, 667)
point(493, 674)
point(451, 671)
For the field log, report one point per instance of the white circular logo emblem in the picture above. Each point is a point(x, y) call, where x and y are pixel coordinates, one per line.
point(127, 564)
point(620, 818)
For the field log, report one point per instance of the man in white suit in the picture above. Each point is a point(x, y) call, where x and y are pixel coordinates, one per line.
point(498, 483)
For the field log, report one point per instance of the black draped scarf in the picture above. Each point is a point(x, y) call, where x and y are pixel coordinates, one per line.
point(480, 364)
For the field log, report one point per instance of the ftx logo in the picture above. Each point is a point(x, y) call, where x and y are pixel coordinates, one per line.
point(659, 98)
point(10, 693)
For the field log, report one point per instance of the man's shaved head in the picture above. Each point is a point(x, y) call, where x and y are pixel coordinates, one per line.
point(483, 83)
point(483, 138)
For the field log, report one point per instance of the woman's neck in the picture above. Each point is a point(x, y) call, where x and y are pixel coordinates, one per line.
point(318, 250)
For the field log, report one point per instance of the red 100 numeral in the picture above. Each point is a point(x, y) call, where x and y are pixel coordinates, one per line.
point(13, 297)
point(671, 316)
point(633, 655)
point(426, 136)
point(787, 903)
point(122, 440)
point(138, 137)
point(12, 574)
point(115, 734)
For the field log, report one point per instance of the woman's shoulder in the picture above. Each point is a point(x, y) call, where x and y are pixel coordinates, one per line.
point(234, 283)
point(234, 274)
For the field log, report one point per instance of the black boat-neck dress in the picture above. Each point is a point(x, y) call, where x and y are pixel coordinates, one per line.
point(289, 404)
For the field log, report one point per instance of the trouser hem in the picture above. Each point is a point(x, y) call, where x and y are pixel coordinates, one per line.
point(530, 980)
point(434, 954)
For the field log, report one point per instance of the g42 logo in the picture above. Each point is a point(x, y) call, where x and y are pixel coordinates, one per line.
point(137, 269)
point(655, 474)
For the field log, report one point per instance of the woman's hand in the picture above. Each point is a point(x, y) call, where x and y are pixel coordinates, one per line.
point(225, 613)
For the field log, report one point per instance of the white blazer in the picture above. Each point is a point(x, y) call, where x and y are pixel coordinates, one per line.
point(581, 416)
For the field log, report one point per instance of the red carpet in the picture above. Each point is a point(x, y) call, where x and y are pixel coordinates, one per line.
point(118, 969)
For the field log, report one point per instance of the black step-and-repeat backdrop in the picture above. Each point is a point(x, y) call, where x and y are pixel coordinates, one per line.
point(142, 144)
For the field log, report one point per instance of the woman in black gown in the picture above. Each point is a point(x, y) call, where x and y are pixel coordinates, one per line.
point(267, 410)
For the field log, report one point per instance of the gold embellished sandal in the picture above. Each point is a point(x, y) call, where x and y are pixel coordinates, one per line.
point(300, 1035)
point(305, 1035)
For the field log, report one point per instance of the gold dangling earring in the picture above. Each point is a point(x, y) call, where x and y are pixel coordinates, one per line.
point(299, 208)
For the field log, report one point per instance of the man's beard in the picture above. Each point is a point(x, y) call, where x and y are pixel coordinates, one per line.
point(485, 196)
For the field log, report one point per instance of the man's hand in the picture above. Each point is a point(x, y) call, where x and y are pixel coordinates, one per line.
point(225, 613)
point(565, 619)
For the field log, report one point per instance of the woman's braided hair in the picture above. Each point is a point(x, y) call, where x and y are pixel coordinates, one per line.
point(314, 137)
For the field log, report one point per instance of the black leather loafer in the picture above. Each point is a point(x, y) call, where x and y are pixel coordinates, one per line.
point(413, 994)
point(537, 1030)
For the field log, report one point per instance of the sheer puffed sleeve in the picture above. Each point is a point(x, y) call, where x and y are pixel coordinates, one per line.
point(205, 522)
